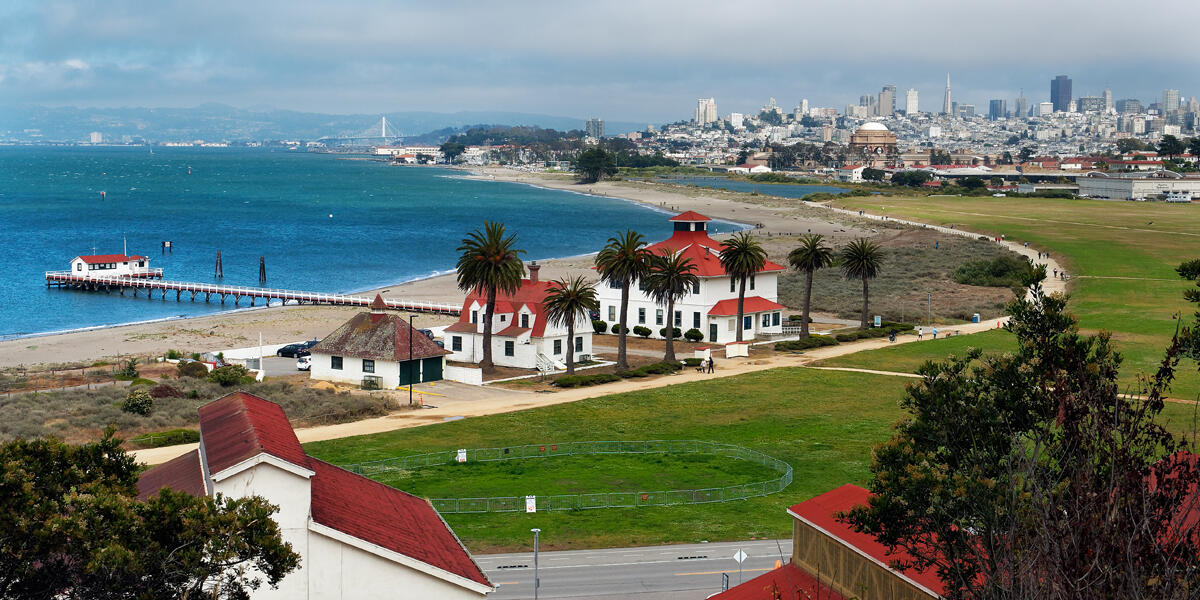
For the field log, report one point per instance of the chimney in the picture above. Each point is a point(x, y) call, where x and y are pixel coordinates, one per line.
point(533, 271)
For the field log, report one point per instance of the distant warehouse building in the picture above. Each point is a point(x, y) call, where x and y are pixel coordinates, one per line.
point(1157, 187)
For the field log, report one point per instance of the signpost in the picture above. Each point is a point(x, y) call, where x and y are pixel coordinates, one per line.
point(530, 504)
point(462, 455)
point(740, 556)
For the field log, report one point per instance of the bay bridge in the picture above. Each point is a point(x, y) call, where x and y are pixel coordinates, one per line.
point(381, 133)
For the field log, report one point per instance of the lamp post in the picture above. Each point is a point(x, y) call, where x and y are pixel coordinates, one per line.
point(536, 582)
point(411, 319)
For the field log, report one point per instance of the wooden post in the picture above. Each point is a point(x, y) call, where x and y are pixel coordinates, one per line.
point(262, 270)
point(219, 273)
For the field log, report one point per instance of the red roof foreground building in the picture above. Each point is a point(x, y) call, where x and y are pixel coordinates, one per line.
point(342, 524)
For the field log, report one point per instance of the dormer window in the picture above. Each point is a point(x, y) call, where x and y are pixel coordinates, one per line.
point(524, 320)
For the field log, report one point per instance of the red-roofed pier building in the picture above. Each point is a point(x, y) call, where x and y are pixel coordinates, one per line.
point(113, 265)
point(711, 307)
point(356, 538)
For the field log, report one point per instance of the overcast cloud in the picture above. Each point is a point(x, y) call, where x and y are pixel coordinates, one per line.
point(614, 59)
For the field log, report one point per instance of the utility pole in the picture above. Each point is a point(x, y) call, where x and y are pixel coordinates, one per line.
point(537, 583)
point(928, 309)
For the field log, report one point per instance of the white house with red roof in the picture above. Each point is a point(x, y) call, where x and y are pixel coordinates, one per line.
point(357, 538)
point(113, 265)
point(711, 307)
point(522, 336)
point(377, 349)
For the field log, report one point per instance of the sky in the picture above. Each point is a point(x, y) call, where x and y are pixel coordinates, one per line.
point(620, 60)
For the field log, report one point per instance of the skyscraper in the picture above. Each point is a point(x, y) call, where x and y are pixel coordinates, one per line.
point(595, 128)
point(910, 102)
point(1170, 100)
point(947, 106)
point(887, 101)
point(1021, 110)
point(706, 111)
point(804, 106)
point(1108, 101)
point(1060, 93)
point(997, 110)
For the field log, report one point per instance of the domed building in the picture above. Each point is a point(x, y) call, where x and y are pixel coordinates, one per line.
point(874, 143)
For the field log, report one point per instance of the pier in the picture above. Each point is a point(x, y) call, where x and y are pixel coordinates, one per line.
point(208, 292)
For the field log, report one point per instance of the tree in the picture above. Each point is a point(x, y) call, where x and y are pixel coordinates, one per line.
point(671, 277)
point(138, 402)
point(1025, 154)
point(862, 259)
point(452, 150)
point(623, 261)
point(71, 526)
point(1030, 474)
point(489, 261)
point(940, 157)
point(1007, 158)
point(568, 300)
point(973, 183)
point(1127, 145)
point(1194, 146)
point(911, 178)
point(741, 257)
point(811, 255)
point(594, 164)
point(871, 174)
point(1171, 146)
point(1190, 336)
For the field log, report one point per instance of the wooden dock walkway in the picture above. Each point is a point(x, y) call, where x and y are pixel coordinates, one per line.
point(161, 287)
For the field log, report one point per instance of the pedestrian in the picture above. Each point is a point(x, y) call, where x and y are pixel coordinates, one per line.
point(892, 336)
point(920, 333)
point(1056, 273)
point(935, 333)
point(936, 245)
point(712, 365)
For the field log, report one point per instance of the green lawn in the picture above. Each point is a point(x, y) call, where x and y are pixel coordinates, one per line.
point(906, 358)
point(1094, 240)
point(823, 423)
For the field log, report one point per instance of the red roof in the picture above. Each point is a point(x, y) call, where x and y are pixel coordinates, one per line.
point(788, 581)
point(388, 517)
point(703, 251)
point(822, 511)
point(752, 304)
point(182, 474)
point(92, 259)
point(531, 294)
point(690, 216)
point(240, 426)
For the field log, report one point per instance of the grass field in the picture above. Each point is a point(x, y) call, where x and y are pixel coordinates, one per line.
point(1121, 258)
point(822, 423)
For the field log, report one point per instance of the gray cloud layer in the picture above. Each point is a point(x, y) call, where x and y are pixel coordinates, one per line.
point(618, 59)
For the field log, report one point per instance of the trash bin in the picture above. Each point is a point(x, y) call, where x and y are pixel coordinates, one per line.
point(975, 318)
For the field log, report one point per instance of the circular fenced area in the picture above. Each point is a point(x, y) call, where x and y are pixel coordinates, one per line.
point(600, 499)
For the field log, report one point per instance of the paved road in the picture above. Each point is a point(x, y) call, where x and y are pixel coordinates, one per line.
point(687, 571)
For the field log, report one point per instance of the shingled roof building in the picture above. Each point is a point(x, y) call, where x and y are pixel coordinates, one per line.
point(373, 350)
point(357, 538)
point(711, 308)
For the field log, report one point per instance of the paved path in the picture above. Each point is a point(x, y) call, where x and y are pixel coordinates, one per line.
point(691, 571)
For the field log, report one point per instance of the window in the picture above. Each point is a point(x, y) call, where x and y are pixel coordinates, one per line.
point(510, 348)
point(752, 282)
point(679, 318)
point(766, 320)
point(335, 363)
point(474, 316)
point(579, 344)
point(732, 284)
point(368, 366)
point(696, 320)
point(524, 320)
point(614, 284)
point(658, 317)
point(612, 313)
point(774, 318)
point(78, 266)
point(503, 318)
point(642, 284)
point(642, 316)
point(141, 263)
point(729, 325)
point(696, 287)
point(456, 343)
point(558, 346)
point(748, 322)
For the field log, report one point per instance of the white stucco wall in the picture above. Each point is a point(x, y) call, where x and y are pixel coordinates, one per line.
point(351, 371)
point(712, 291)
point(343, 572)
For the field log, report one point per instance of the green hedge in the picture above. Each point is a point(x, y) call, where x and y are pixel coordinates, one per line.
point(599, 327)
point(658, 368)
point(816, 341)
point(573, 381)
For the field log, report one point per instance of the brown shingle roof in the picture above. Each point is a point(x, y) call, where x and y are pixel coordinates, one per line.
point(377, 337)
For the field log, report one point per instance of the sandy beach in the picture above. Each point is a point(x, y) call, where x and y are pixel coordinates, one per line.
point(294, 323)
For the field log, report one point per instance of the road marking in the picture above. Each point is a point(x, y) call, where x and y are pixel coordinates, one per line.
point(507, 582)
point(719, 572)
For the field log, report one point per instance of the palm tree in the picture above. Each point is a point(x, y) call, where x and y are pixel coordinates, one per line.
point(488, 261)
point(861, 259)
point(671, 277)
point(623, 261)
point(568, 300)
point(742, 257)
point(812, 254)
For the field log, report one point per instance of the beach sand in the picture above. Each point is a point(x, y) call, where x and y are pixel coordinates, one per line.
point(295, 323)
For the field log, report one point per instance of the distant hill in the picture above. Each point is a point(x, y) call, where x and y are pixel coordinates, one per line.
point(215, 122)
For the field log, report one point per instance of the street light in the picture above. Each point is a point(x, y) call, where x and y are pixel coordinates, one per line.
point(536, 582)
point(411, 319)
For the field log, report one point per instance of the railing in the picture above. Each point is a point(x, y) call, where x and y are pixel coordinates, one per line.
point(593, 500)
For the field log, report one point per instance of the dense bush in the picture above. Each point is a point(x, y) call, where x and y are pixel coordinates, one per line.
point(675, 332)
point(1005, 270)
point(885, 329)
point(192, 369)
point(692, 362)
point(815, 341)
point(138, 402)
point(573, 381)
point(658, 368)
point(642, 331)
point(230, 375)
point(128, 370)
point(599, 327)
point(142, 381)
point(163, 390)
point(693, 335)
point(166, 438)
point(174, 355)
point(616, 328)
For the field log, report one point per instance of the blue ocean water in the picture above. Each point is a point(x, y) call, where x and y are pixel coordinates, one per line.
point(321, 222)
point(783, 190)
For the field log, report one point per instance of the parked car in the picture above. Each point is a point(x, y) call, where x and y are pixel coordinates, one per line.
point(304, 363)
point(295, 350)
point(428, 333)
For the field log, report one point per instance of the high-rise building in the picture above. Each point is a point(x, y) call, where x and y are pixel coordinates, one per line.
point(1088, 104)
point(804, 106)
point(706, 111)
point(737, 120)
point(1170, 100)
point(1060, 93)
point(997, 110)
point(887, 101)
point(910, 102)
point(1021, 110)
point(1045, 109)
point(947, 107)
point(1108, 101)
point(595, 128)
point(1129, 106)
point(96, 137)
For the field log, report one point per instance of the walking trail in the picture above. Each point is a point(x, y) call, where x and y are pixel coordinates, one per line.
point(496, 403)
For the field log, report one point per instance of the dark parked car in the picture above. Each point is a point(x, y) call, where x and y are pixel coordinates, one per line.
point(296, 350)
point(428, 333)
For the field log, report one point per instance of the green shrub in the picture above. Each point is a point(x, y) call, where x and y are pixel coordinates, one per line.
point(616, 328)
point(692, 335)
point(195, 356)
point(572, 381)
point(230, 375)
point(163, 390)
point(128, 370)
point(1005, 270)
point(599, 327)
point(194, 394)
point(174, 355)
point(675, 332)
point(192, 369)
point(142, 381)
point(166, 438)
point(642, 331)
point(692, 362)
point(138, 402)
point(816, 341)
point(658, 368)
